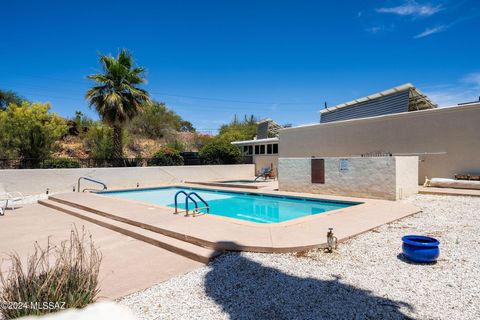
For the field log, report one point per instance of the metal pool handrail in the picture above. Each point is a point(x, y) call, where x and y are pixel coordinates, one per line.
point(91, 180)
point(189, 196)
point(199, 198)
point(186, 200)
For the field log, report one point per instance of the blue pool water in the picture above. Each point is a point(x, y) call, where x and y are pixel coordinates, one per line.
point(261, 208)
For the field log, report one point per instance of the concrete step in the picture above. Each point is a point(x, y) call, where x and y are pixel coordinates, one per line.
point(174, 245)
point(157, 229)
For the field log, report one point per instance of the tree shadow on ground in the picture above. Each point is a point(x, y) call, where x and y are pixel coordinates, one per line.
point(246, 289)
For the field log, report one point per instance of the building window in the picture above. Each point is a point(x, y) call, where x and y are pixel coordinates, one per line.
point(257, 149)
point(269, 149)
point(262, 149)
point(247, 150)
point(275, 148)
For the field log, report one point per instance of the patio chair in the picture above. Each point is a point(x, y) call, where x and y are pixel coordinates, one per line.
point(9, 198)
point(264, 173)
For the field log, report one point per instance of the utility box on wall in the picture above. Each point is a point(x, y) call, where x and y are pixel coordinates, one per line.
point(390, 178)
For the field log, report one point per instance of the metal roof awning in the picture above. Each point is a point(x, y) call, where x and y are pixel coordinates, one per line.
point(255, 141)
point(417, 100)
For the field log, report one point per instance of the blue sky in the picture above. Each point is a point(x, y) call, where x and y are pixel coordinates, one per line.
point(211, 59)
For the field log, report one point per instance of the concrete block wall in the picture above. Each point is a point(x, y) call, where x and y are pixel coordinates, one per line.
point(390, 178)
point(36, 181)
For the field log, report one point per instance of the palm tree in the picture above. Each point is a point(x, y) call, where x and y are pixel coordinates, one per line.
point(116, 95)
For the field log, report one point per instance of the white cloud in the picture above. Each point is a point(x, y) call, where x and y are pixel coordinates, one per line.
point(375, 29)
point(380, 28)
point(412, 8)
point(473, 79)
point(429, 31)
point(465, 90)
point(450, 97)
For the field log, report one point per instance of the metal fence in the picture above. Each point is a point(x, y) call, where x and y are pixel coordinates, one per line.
point(189, 159)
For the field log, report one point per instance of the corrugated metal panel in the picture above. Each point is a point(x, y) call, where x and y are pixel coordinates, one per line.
point(394, 103)
point(262, 130)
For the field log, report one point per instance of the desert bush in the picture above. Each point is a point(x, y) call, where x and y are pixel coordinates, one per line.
point(236, 130)
point(219, 152)
point(176, 145)
point(166, 157)
point(156, 121)
point(201, 140)
point(99, 141)
point(79, 125)
point(29, 130)
point(64, 276)
point(60, 163)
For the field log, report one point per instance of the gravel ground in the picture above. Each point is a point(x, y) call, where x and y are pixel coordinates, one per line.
point(365, 278)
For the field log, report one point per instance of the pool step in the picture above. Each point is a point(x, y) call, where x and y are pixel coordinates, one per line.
point(174, 245)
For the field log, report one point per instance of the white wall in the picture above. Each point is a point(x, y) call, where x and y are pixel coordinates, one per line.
point(36, 181)
point(388, 178)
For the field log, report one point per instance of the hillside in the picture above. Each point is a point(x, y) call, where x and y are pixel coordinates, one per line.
point(74, 146)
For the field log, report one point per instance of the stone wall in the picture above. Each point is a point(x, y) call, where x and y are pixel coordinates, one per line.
point(36, 181)
point(390, 178)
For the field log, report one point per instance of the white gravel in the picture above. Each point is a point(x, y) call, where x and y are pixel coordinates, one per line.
point(363, 279)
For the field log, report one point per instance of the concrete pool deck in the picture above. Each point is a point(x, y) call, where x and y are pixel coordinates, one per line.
point(221, 233)
point(128, 265)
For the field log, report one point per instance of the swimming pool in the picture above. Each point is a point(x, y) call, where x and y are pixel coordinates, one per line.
point(256, 207)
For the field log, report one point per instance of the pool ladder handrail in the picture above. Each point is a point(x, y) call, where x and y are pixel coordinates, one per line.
point(91, 180)
point(189, 196)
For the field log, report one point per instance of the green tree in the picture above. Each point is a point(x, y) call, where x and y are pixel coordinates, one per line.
point(157, 121)
point(29, 130)
point(239, 130)
point(7, 97)
point(186, 126)
point(219, 152)
point(117, 96)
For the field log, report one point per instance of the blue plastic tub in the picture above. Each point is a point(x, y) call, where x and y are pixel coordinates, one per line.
point(420, 248)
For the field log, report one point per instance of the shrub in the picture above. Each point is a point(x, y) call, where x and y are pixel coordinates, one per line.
point(30, 130)
point(176, 145)
point(66, 275)
point(239, 130)
point(201, 140)
point(156, 121)
point(60, 163)
point(219, 152)
point(99, 141)
point(166, 157)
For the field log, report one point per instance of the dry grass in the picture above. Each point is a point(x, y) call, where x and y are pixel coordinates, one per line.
point(64, 276)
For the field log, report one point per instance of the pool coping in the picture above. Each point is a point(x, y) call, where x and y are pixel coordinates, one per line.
point(223, 184)
point(222, 233)
point(240, 190)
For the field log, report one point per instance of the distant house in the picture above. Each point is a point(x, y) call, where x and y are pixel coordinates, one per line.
point(264, 147)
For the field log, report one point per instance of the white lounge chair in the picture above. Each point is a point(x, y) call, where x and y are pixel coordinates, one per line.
point(8, 199)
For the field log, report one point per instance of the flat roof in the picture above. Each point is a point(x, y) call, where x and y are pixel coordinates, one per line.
point(256, 141)
point(418, 98)
point(392, 115)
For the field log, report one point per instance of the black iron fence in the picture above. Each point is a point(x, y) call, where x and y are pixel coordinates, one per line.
point(189, 159)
